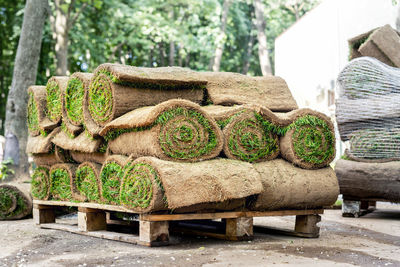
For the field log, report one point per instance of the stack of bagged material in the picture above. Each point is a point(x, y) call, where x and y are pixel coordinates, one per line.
point(368, 115)
point(170, 138)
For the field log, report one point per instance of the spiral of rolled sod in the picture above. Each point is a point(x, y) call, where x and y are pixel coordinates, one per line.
point(150, 183)
point(309, 141)
point(177, 130)
point(77, 85)
point(227, 89)
point(37, 121)
point(54, 87)
point(40, 183)
point(248, 136)
point(87, 181)
point(110, 179)
point(288, 187)
point(15, 201)
point(117, 89)
point(62, 177)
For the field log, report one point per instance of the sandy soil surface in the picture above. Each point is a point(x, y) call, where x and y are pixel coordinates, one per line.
point(371, 240)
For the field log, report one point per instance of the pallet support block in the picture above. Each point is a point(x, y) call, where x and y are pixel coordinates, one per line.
point(153, 233)
point(307, 224)
point(43, 214)
point(91, 219)
point(239, 228)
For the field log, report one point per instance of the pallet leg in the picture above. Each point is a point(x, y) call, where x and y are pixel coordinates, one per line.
point(352, 208)
point(43, 214)
point(91, 220)
point(153, 233)
point(307, 224)
point(239, 228)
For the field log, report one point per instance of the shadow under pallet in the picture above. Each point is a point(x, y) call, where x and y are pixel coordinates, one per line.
point(153, 229)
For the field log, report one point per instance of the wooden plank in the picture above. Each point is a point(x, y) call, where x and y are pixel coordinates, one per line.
point(43, 216)
point(128, 238)
point(307, 224)
point(83, 205)
point(153, 232)
point(225, 215)
point(239, 227)
point(92, 221)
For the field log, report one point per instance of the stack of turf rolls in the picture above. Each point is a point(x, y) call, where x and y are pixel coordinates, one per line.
point(368, 117)
point(172, 139)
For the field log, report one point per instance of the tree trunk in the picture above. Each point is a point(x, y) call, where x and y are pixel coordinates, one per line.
point(221, 36)
point(398, 19)
point(162, 54)
point(171, 53)
point(246, 63)
point(24, 75)
point(262, 38)
point(61, 34)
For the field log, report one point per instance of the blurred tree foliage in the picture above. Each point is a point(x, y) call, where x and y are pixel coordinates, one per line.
point(149, 33)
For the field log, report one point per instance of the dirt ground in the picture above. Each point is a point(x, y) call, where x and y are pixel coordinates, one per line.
point(372, 240)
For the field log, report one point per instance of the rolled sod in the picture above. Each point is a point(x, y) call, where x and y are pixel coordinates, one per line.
point(40, 183)
point(87, 181)
point(84, 142)
point(110, 178)
point(15, 201)
point(62, 186)
point(37, 121)
point(95, 157)
point(54, 88)
point(227, 89)
point(248, 135)
point(48, 159)
point(77, 85)
point(288, 187)
point(151, 184)
point(40, 144)
point(117, 89)
point(177, 130)
point(309, 141)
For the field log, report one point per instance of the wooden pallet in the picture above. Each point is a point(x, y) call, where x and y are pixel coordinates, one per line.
point(154, 229)
point(353, 207)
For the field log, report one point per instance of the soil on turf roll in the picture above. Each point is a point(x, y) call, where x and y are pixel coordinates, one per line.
point(227, 88)
point(95, 157)
point(248, 135)
point(309, 141)
point(73, 109)
point(40, 183)
point(87, 181)
point(177, 130)
point(62, 182)
point(15, 201)
point(54, 88)
point(288, 187)
point(151, 184)
point(48, 159)
point(117, 89)
point(37, 121)
point(84, 142)
point(110, 178)
point(40, 144)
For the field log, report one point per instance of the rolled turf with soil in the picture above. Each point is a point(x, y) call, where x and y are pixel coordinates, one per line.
point(309, 141)
point(227, 89)
point(110, 179)
point(177, 130)
point(288, 187)
point(77, 85)
point(54, 88)
point(15, 201)
point(62, 186)
point(248, 135)
point(40, 183)
point(151, 184)
point(96, 157)
point(117, 89)
point(87, 181)
point(38, 123)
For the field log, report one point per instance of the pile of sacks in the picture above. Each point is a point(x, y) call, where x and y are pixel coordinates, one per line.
point(152, 139)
